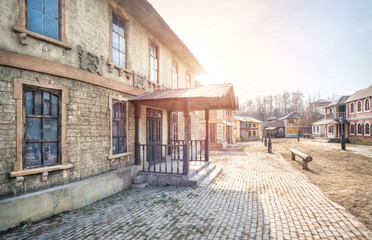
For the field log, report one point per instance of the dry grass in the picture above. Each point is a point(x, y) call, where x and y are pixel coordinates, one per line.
point(344, 176)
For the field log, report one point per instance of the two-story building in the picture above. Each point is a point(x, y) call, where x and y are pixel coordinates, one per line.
point(358, 113)
point(335, 122)
point(91, 93)
point(247, 128)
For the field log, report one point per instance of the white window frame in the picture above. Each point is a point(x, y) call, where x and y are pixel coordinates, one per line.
point(361, 107)
point(365, 129)
point(352, 127)
point(357, 128)
point(369, 101)
point(352, 112)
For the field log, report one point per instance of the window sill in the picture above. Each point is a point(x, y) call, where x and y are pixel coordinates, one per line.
point(41, 37)
point(120, 68)
point(109, 157)
point(40, 170)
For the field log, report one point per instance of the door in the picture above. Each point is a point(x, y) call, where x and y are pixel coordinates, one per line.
point(153, 135)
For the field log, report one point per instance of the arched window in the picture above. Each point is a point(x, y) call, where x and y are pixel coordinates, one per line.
point(367, 105)
point(359, 106)
point(359, 129)
point(352, 107)
point(367, 129)
point(352, 128)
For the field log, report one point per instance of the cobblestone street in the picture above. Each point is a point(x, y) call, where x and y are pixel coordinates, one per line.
point(257, 196)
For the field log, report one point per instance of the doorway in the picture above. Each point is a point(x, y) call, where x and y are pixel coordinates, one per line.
point(153, 135)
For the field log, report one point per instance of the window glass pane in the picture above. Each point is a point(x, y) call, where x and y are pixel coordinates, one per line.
point(115, 130)
point(115, 26)
point(115, 40)
point(33, 128)
point(55, 106)
point(121, 128)
point(33, 154)
point(122, 60)
point(38, 103)
point(51, 27)
point(50, 129)
point(29, 103)
point(46, 103)
point(51, 8)
point(115, 146)
point(121, 28)
point(34, 21)
point(50, 153)
point(115, 56)
point(121, 145)
point(37, 4)
point(122, 45)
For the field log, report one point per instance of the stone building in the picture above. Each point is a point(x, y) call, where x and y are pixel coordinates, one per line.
point(68, 73)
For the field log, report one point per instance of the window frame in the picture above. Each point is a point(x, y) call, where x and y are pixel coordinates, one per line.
point(361, 106)
point(18, 168)
point(365, 105)
point(112, 99)
point(361, 128)
point(118, 13)
point(42, 117)
point(352, 107)
point(352, 129)
point(153, 44)
point(21, 26)
point(369, 129)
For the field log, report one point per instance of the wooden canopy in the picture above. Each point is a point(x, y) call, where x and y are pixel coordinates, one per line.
point(207, 97)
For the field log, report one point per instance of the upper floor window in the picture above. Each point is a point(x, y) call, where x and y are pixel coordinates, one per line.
point(352, 107)
point(367, 105)
point(119, 37)
point(174, 75)
point(188, 81)
point(290, 121)
point(43, 17)
point(119, 127)
point(154, 61)
point(359, 106)
point(367, 128)
point(42, 127)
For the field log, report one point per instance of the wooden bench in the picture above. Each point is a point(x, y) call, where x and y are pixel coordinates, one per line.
point(305, 158)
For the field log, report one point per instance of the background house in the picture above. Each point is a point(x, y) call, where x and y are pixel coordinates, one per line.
point(247, 128)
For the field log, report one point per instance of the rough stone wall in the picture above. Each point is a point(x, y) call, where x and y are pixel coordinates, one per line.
point(88, 25)
point(87, 133)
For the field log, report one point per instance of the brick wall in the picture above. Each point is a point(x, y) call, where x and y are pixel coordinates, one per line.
point(87, 133)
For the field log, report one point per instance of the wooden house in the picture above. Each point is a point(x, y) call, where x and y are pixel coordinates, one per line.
point(247, 128)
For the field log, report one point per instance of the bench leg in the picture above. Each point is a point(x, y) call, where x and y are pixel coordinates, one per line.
point(304, 165)
point(293, 156)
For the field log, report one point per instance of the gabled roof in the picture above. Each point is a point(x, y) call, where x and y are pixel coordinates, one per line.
point(292, 115)
point(207, 97)
point(276, 123)
point(360, 94)
point(146, 14)
point(339, 101)
point(247, 119)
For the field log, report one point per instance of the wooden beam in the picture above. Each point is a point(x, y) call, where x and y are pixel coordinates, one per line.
point(206, 135)
point(186, 114)
point(137, 115)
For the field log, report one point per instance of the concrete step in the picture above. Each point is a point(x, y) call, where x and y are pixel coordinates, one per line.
point(211, 177)
point(139, 179)
point(201, 175)
point(195, 169)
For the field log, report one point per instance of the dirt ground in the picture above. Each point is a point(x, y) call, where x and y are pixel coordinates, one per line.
point(344, 176)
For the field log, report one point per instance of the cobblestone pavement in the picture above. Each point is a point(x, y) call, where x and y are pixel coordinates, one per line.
point(258, 196)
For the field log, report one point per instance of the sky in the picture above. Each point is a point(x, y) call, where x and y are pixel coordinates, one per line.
point(321, 47)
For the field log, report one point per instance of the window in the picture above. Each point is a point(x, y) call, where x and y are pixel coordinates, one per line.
point(42, 127)
point(249, 125)
point(367, 105)
point(119, 127)
point(154, 61)
point(352, 107)
point(174, 76)
point(367, 129)
point(175, 126)
point(317, 129)
point(118, 41)
point(254, 133)
point(352, 128)
point(359, 129)
point(290, 121)
point(359, 106)
point(254, 125)
point(43, 17)
point(188, 81)
point(330, 129)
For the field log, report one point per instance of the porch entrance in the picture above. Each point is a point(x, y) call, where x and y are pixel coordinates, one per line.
point(153, 135)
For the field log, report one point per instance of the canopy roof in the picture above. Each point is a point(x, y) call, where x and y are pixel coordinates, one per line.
point(207, 97)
